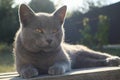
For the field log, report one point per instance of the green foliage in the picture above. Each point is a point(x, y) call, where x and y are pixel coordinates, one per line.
point(6, 58)
point(8, 21)
point(87, 37)
point(6, 63)
point(42, 6)
point(97, 38)
point(5, 48)
point(103, 28)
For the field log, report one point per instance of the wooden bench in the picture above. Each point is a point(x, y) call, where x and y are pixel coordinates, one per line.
point(102, 73)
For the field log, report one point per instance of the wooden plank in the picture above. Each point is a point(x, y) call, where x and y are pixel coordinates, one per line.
point(102, 73)
point(9, 73)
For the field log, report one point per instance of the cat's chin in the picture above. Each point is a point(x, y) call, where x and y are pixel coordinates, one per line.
point(49, 49)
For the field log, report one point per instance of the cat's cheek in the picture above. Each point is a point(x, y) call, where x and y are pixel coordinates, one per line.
point(58, 37)
point(54, 44)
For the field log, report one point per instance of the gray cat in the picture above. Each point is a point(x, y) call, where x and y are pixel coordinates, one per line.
point(40, 48)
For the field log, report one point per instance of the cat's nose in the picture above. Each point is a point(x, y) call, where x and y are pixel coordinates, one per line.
point(49, 41)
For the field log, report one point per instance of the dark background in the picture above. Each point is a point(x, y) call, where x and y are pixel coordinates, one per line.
point(9, 20)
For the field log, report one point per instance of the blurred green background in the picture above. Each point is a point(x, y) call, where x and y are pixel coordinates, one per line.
point(94, 36)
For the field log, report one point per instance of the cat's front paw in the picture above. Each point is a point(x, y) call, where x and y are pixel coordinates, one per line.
point(29, 72)
point(113, 61)
point(56, 70)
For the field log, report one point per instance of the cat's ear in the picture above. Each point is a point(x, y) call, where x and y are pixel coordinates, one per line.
point(25, 14)
point(60, 13)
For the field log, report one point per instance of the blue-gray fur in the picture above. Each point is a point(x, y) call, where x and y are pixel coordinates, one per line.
point(40, 48)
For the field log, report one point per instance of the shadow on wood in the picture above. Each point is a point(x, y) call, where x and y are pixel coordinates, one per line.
point(102, 73)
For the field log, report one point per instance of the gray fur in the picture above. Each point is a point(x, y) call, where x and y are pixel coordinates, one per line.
point(40, 48)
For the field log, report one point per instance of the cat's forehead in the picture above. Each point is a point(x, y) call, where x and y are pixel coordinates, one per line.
point(43, 16)
point(46, 20)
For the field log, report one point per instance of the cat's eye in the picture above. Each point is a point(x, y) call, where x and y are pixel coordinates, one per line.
point(39, 30)
point(55, 31)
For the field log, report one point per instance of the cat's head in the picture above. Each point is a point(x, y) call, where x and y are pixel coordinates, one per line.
point(41, 31)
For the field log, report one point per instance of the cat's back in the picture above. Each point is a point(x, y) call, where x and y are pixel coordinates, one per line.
point(72, 49)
